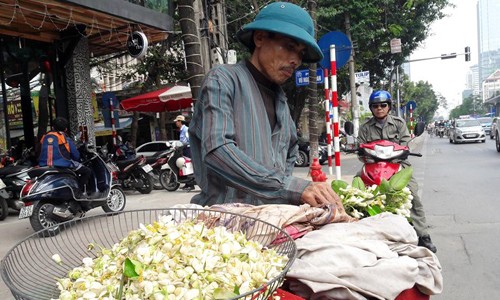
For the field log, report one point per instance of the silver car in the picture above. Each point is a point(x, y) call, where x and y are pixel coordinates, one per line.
point(493, 128)
point(467, 130)
point(486, 122)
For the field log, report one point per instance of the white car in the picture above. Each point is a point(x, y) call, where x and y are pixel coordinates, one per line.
point(467, 130)
point(150, 148)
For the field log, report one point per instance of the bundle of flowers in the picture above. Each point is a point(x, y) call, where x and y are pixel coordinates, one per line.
point(170, 260)
point(390, 196)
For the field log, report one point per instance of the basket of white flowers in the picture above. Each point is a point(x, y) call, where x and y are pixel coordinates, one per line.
point(178, 253)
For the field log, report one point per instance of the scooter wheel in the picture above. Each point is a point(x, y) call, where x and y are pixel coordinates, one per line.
point(116, 200)
point(169, 181)
point(41, 219)
point(147, 182)
point(4, 209)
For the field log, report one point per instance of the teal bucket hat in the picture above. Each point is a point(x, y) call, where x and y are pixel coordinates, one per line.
point(287, 19)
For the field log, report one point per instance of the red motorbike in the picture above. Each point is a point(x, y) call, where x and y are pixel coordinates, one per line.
point(381, 160)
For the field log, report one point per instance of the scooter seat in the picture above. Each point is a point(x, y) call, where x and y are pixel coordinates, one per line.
point(151, 160)
point(122, 164)
point(9, 170)
point(37, 172)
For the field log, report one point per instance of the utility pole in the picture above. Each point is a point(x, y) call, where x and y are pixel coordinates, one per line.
point(352, 79)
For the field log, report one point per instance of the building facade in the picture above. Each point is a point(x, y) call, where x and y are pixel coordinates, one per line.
point(488, 19)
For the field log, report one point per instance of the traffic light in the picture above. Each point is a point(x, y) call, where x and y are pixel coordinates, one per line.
point(467, 53)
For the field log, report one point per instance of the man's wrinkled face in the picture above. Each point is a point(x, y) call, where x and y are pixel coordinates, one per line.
point(276, 56)
point(380, 110)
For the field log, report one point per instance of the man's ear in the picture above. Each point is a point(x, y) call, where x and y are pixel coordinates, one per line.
point(258, 37)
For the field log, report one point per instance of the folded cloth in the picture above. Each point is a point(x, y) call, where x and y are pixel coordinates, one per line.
point(297, 220)
point(376, 257)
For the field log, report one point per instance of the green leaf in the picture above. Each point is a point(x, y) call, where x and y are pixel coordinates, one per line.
point(401, 179)
point(358, 183)
point(384, 186)
point(338, 184)
point(131, 268)
point(220, 294)
point(373, 210)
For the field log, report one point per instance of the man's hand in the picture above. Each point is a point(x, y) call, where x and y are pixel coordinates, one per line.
point(320, 193)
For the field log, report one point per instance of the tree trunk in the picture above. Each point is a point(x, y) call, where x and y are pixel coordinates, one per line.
point(192, 46)
point(313, 94)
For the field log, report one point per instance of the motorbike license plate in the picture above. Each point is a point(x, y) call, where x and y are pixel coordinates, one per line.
point(26, 212)
point(147, 168)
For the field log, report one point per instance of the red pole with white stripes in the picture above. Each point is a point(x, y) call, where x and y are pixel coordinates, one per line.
point(113, 129)
point(335, 105)
point(328, 121)
point(411, 121)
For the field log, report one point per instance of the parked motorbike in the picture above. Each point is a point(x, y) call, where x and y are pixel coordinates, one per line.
point(13, 176)
point(53, 195)
point(177, 170)
point(4, 207)
point(156, 162)
point(130, 173)
point(12, 180)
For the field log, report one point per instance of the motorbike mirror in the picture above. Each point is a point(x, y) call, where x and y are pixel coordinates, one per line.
point(349, 127)
point(420, 128)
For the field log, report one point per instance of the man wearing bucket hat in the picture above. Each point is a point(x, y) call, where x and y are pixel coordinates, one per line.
point(243, 139)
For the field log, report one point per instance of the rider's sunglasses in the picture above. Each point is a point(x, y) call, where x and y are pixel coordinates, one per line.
point(381, 105)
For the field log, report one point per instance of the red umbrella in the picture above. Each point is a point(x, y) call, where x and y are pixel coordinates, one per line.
point(167, 99)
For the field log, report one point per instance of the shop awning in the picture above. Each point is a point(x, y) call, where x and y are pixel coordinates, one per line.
point(166, 99)
point(106, 24)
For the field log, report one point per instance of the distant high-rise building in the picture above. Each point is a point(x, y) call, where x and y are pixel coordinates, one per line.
point(472, 80)
point(488, 19)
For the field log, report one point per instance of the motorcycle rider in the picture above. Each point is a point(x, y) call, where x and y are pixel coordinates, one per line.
point(388, 127)
point(58, 150)
point(180, 122)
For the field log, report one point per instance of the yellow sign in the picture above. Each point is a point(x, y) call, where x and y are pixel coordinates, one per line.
point(103, 132)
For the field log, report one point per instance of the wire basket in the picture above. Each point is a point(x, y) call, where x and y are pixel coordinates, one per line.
point(30, 272)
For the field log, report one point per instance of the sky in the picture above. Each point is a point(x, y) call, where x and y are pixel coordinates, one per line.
point(450, 34)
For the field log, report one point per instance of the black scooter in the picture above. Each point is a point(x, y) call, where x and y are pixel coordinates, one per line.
point(130, 173)
point(53, 195)
point(13, 176)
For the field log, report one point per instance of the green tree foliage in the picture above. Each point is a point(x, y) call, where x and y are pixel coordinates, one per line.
point(373, 25)
point(472, 105)
point(425, 97)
